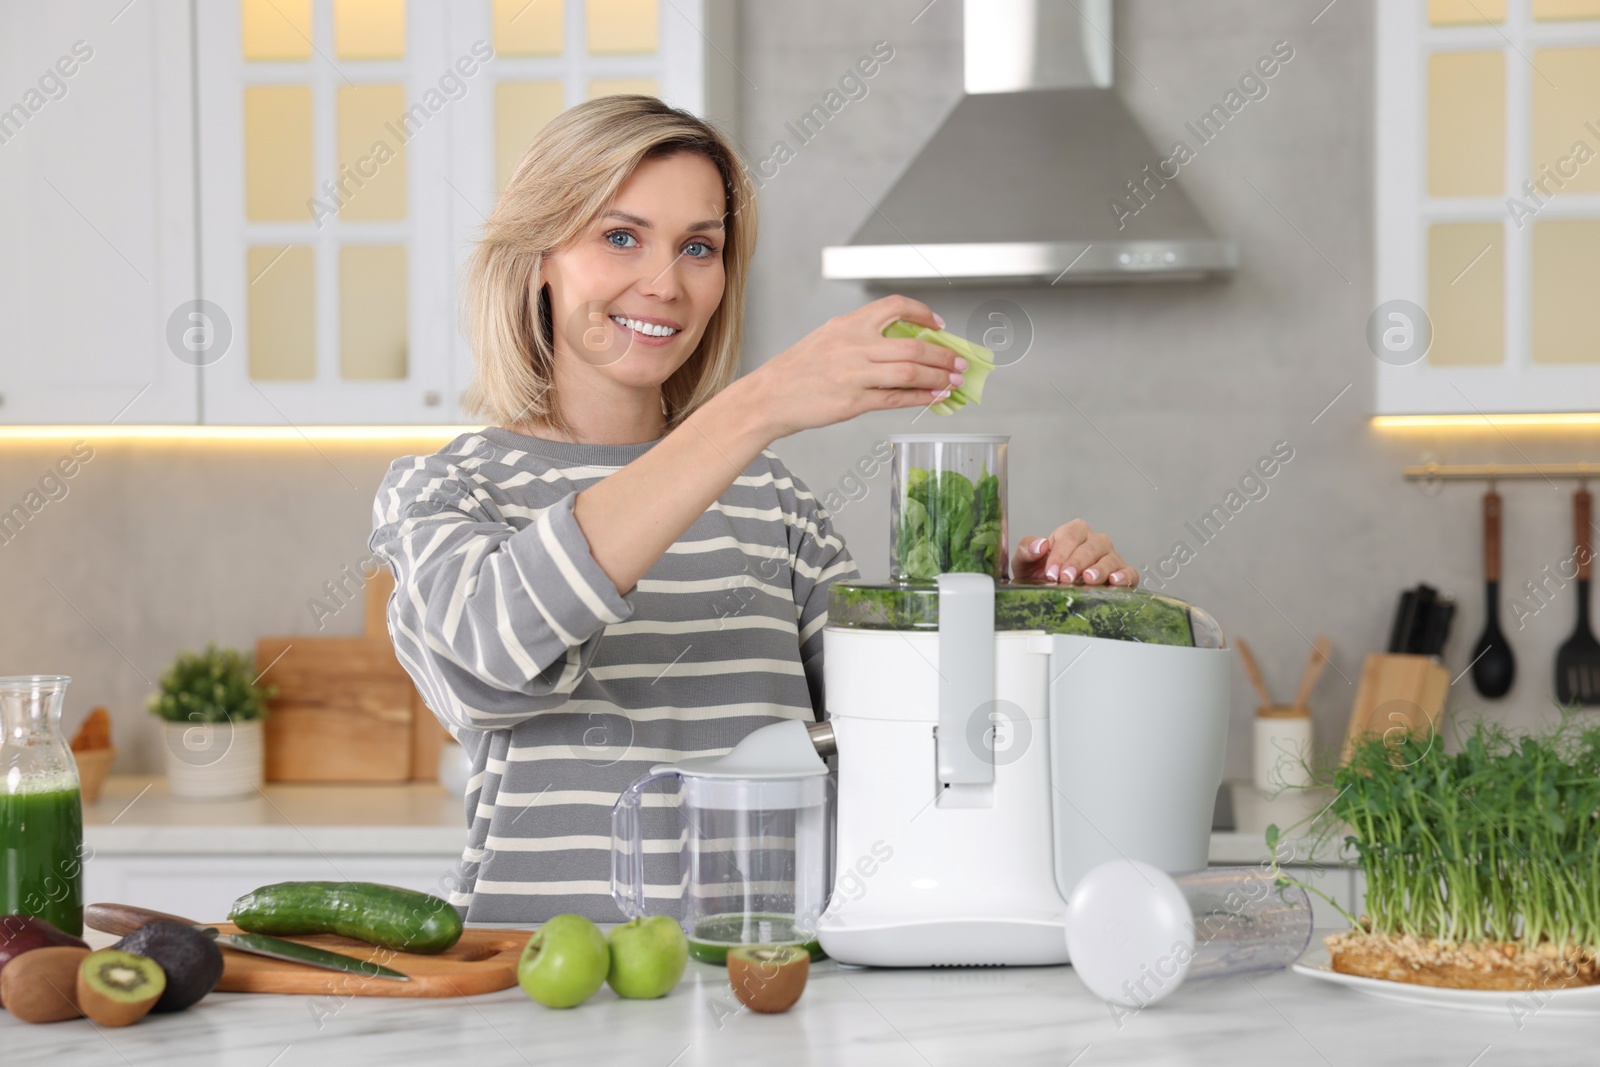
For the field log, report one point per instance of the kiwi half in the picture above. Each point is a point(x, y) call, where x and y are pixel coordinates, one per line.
point(116, 988)
point(768, 978)
point(41, 986)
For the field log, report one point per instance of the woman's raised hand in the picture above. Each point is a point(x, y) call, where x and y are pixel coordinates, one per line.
point(846, 367)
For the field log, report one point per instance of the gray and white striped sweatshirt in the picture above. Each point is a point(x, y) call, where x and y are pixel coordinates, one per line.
point(561, 690)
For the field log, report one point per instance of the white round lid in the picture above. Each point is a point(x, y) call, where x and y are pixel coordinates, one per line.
point(780, 751)
point(1130, 933)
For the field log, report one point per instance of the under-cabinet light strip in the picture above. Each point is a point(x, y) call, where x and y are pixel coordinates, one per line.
point(1487, 421)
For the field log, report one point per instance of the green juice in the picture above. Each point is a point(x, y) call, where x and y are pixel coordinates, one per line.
point(714, 936)
point(41, 866)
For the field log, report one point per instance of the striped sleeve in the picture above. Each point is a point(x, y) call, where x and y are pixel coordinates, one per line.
point(494, 623)
point(818, 557)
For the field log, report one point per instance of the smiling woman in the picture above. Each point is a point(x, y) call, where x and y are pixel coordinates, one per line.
point(620, 572)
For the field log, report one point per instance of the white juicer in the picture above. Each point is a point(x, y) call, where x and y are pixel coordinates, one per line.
point(995, 742)
point(984, 768)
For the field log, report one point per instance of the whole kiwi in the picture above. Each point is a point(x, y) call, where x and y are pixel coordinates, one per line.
point(24, 933)
point(117, 988)
point(42, 986)
point(191, 961)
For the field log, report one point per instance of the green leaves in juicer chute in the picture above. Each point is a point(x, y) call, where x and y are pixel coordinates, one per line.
point(980, 361)
point(948, 524)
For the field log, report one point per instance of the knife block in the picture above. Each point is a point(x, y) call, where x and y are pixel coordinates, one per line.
point(1397, 692)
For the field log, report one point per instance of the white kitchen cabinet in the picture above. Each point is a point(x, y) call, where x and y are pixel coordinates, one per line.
point(204, 888)
point(1488, 208)
point(97, 237)
point(235, 160)
point(347, 167)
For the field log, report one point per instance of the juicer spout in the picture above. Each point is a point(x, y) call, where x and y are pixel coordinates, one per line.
point(822, 738)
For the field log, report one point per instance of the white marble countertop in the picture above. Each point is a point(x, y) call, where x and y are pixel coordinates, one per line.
point(137, 816)
point(847, 1016)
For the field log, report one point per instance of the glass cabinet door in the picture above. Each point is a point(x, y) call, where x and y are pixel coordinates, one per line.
point(350, 152)
point(324, 139)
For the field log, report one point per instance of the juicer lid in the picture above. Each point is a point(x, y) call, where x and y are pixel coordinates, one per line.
point(1086, 610)
point(781, 751)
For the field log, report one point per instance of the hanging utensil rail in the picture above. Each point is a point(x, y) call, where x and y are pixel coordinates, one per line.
point(1493, 472)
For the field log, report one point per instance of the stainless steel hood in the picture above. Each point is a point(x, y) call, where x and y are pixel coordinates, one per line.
point(1021, 183)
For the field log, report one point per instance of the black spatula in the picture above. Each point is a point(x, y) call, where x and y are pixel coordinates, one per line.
point(1578, 662)
point(1494, 668)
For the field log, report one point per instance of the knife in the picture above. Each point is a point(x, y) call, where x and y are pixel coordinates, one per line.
point(1427, 597)
point(1405, 617)
point(123, 919)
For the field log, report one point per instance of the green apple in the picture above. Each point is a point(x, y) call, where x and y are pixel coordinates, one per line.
point(647, 957)
point(564, 962)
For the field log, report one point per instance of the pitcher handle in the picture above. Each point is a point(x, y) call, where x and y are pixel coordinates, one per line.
point(627, 864)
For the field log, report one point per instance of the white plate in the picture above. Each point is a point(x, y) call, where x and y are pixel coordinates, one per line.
point(1583, 1001)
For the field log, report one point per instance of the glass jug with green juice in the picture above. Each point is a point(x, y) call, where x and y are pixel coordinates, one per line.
point(41, 811)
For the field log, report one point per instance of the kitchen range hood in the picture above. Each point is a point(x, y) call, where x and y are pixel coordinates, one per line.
point(1039, 176)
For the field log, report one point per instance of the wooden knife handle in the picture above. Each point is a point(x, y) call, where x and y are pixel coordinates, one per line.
point(1491, 536)
point(124, 919)
point(1582, 509)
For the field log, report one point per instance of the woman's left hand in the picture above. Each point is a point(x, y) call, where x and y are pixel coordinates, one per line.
point(1074, 553)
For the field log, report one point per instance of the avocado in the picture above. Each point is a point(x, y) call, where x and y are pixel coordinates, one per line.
point(191, 960)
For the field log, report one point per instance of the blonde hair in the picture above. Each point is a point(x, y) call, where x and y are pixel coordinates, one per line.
point(568, 176)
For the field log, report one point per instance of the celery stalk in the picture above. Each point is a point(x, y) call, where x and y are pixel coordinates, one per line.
point(980, 361)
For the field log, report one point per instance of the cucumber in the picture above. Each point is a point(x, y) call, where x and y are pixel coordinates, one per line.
point(385, 915)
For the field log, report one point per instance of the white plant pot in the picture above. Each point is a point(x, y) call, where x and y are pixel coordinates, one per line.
point(211, 761)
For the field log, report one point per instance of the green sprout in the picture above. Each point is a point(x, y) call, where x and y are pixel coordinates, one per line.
point(1495, 842)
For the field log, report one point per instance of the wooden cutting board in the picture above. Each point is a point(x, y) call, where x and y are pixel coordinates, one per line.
point(483, 961)
point(345, 709)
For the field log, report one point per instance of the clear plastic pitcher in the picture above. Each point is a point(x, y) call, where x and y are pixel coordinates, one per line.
point(755, 847)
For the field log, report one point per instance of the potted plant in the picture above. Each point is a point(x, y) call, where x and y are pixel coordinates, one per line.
point(213, 711)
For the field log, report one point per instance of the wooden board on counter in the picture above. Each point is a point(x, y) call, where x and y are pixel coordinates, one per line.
point(345, 709)
point(483, 961)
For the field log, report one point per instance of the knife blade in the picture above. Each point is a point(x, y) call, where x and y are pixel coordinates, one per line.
point(278, 948)
point(123, 919)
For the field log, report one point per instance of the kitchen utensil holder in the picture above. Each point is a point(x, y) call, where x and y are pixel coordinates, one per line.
point(1281, 747)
